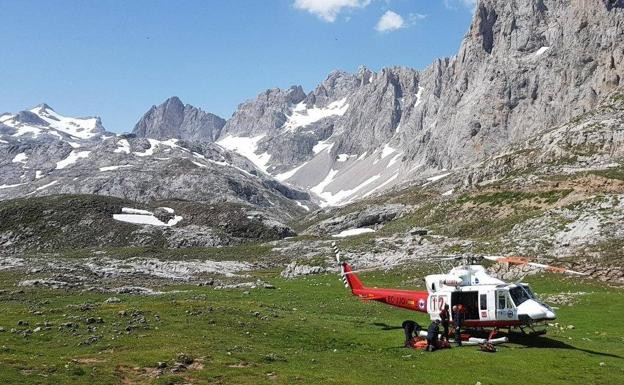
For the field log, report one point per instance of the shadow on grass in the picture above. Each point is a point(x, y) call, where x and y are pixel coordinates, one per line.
point(385, 326)
point(527, 341)
point(549, 343)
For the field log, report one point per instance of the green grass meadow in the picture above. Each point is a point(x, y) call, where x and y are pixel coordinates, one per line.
point(306, 331)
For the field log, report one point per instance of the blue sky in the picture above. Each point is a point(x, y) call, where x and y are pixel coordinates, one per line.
point(116, 58)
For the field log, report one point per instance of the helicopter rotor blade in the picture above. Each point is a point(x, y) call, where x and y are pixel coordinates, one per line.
point(525, 261)
point(391, 265)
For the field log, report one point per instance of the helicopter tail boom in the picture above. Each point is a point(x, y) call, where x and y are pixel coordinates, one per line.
point(350, 279)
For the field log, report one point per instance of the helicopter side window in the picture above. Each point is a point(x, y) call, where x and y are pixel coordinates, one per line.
point(502, 300)
point(483, 301)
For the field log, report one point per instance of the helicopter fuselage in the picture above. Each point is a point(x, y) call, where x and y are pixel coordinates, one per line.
point(486, 301)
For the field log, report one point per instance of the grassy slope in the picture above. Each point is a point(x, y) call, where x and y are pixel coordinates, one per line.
point(314, 333)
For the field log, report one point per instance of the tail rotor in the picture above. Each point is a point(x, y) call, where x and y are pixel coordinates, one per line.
point(340, 264)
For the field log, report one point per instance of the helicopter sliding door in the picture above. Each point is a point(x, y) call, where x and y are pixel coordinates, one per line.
point(470, 301)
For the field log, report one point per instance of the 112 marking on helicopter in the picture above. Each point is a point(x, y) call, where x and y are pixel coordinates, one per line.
point(488, 302)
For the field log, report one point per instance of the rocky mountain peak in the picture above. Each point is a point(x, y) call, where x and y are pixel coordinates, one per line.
point(44, 106)
point(173, 119)
point(173, 103)
point(29, 117)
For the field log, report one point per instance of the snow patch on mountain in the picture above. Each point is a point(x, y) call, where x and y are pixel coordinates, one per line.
point(381, 186)
point(2, 187)
point(143, 217)
point(45, 186)
point(20, 158)
point(395, 159)
point(113, 168)
point(302, 116)
point(318, 189)
point(247, 147)
point(305, 207)
point(341, 197)
point(322, 146)
point(154, 144)
point(419, 96)
point(288, 174)
point(352, 232)
point(71, 159)
point(540, 51)
point(387, 150)
point(123, 146)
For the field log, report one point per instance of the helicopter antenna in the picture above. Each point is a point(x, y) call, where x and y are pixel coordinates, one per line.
point(520, 280)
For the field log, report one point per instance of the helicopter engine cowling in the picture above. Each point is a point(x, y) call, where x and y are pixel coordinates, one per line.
point(453, 281)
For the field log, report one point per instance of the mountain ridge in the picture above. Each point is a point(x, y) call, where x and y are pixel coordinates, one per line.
point(518, 71)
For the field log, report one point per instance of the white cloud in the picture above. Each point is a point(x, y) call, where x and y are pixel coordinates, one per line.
point(390, 21)
point(328, 10)
point(416, 16)
point(454, 4)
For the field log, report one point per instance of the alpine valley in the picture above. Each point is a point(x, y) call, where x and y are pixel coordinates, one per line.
point(514, 146)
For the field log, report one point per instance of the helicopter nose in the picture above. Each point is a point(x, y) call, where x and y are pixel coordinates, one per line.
point(535, 311)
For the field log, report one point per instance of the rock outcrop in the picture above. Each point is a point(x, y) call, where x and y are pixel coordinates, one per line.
point(371, 216)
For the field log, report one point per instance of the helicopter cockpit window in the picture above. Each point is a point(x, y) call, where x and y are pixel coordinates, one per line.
point(529, 291)
point(519, 294)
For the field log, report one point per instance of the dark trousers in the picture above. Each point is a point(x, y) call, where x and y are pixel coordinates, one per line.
point(432, 344)
point(408, 328)
point(458, 335)
point(445, 325)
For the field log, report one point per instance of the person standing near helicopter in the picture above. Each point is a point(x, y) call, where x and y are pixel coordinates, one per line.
point(445, 319)
point(458, 318)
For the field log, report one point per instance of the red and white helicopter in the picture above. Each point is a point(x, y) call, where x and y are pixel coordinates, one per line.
point(488, 302)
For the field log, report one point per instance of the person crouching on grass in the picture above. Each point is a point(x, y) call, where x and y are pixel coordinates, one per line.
point(432, 335)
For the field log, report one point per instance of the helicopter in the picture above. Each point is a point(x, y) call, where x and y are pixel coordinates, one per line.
point(487, 301)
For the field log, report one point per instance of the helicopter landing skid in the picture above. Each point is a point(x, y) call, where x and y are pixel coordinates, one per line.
point(533, 331)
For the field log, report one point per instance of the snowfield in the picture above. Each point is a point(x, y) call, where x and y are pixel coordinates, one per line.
point(154, 144)
point(419, 96)
point(322, 145)
point(76, 127)
point(71, 159)
point(286, 175)
point(20, 158)
point(540, 51)
point(302, 116)
point(144, 217)
point(339, 198)
point(2, 187)
point(113, 168)
point(352, 232)
point(438, 177)
point(123, 146)
point(247, 147)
